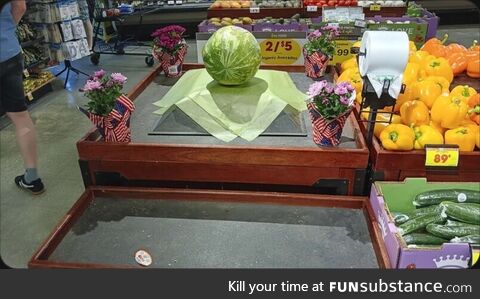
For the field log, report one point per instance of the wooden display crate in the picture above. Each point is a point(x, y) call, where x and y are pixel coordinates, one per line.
point(135, 215)
point(247, 166)
point(397, 165)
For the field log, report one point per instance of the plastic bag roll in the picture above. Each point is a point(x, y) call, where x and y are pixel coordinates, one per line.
point(386, 56)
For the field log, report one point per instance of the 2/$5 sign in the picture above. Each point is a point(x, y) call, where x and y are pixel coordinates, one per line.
point(277, 48)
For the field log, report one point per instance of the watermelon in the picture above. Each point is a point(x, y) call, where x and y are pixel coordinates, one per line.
point(232, 55)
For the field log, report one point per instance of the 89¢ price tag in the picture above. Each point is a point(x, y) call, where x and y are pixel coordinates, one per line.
point(441, 156)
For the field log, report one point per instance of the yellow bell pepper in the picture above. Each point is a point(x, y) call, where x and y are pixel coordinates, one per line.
point(414, 113)
point(477, 141)
point(448, 111)
point(352, 75)
point(357, 44)
point(349, 63)
point(419, 57)
point(464, 137)
point(426, 91)
point(406, 96)
point(412, 47)
point(440, 81)
point(397, 137)
point(439, 67)
point(463, 91)
point(410, 74)
point(437, 127)
point(382, 121)
point(426, 135)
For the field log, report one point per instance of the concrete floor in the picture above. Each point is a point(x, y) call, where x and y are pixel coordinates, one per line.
point(26, 220)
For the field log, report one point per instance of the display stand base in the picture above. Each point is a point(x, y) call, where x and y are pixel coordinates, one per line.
point(70, 68)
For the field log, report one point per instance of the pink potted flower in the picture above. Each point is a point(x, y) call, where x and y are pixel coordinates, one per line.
point(170, 48)
point(318, 50)
point(108, 108)
point(329, 106)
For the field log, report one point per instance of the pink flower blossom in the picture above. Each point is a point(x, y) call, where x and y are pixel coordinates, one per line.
point(316, 88)
point(118, 78)
point(341, 90)
point(92, 85)
point(99, 74)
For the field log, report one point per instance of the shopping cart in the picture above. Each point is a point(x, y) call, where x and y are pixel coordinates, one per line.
point(121, 41)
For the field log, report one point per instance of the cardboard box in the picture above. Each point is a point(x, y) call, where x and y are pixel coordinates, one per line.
point(416, 29)
point(398, 196)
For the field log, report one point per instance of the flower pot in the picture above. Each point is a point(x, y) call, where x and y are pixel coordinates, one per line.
point(171, 64)
point(326, 132)
point(315, 64)
point(115, 127)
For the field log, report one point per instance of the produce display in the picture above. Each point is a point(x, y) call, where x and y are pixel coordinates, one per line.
point(330, 3)
point(234, 4)
point(35, 81)
point(26, 32)
point(430, 111)
point(33, 55)
point(441, 216)
point(226, 21)
point(387, 3)
point(232, 55)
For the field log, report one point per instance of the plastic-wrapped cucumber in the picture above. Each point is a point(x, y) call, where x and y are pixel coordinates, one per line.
point(400, 218)
point(449, 232)
point(425, 210)
point(464, 212)
point(434, 197)
point(423, 239)
point(421, 222)
point(458, 223)
point(472, 239)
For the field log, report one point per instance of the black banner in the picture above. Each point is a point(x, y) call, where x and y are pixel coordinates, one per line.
point(241, 283)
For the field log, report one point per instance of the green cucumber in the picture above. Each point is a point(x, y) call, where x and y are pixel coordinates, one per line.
point(425, 210)
point(468, 213)
point(423, 239)
point(472, 239)
point(458, 223)
point(421, 222)
point(449, 232)
point(400, 218)
point(434, 197)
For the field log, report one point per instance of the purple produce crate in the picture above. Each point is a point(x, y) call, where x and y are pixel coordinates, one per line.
point(204, 26)
point(432, 20)
point(449, 255)
point(295, 27)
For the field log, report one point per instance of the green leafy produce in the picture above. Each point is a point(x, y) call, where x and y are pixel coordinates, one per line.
point(449, 232)
point(421, 222)
point(464, 212)
point(232, 55)
point(434, 197)
point(472, 239)
point(423, 239)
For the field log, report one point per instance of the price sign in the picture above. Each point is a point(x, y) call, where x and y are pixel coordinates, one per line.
point(26, 73)
point(178, 2)
point(29, 96)
point(342, 51)
point(441, 156)
point(170, 2)
point(254, 9)
point(312, 8)
point(375, 7)
point(280, 51)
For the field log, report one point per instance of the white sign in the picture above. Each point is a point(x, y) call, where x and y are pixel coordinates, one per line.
point(312, 8)
point(254, 9)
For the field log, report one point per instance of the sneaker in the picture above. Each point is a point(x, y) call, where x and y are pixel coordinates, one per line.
point(36, 187)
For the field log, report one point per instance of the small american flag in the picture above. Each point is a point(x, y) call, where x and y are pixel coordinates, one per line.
point(326, 132)
point(315, 64)
point(168, 61)
point(115, 127)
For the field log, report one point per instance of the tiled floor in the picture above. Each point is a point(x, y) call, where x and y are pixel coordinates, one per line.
point(25, 220)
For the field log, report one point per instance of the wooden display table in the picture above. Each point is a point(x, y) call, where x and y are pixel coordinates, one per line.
point(272, 163)
point(214, 229)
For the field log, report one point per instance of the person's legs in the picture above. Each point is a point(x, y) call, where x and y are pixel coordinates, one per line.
point(89, 31)
point(26, 137)
point(12, 99)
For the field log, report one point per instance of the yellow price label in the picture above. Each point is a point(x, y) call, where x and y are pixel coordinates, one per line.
point(29, 96)
point(442, 156)
point(280, 51)
point(342, 51)
point(375, 7)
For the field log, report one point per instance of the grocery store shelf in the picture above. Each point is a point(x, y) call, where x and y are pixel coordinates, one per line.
point(31, 42)
point(41, 86)
point(36, 63)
